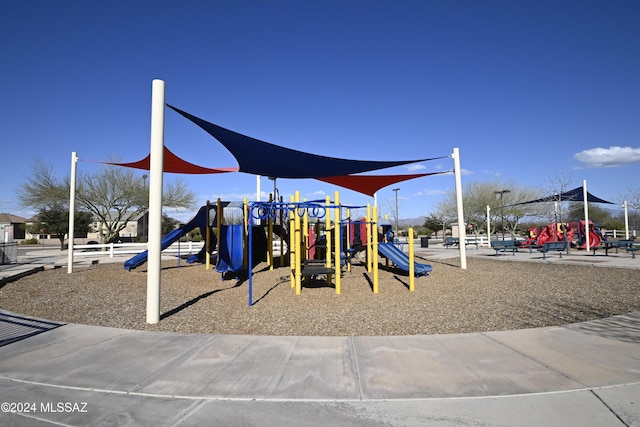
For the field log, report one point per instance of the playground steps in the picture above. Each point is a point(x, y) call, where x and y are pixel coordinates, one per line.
point(316, 267)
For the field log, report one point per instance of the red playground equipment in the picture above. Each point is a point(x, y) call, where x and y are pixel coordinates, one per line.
point(557, 232)
point(595, 235)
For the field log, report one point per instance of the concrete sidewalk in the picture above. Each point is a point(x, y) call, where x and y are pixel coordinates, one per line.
point(586, 374)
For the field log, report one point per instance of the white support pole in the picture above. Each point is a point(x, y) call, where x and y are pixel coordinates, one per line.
point(155, 202)
point(586, 214)
point(626, 220)
point(72, 212)
point(488, 225)
point(258, 188)
point(461, 225)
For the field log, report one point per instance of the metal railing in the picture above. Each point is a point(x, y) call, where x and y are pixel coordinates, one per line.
point(113, 249)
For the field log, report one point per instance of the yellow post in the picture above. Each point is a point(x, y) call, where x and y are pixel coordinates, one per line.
point(298, 243)
point(292, 247)
point(281, 238)
point(374, 249)
point(336, 232)
point(369, 239)
point(412, 267)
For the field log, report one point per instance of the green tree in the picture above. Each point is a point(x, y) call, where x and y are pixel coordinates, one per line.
point(502, 198)
point(434, 224)
point(111, 194)
point(168, 224)
point(598, 215)
point(55, 221)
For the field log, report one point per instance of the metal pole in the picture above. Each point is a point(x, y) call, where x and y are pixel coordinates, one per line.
point(586, 216)
point(155, 202)
point(626, 220)
point(72, 212)
point(461, 226)
point(489, 225)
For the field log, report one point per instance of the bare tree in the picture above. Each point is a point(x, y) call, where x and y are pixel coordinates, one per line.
point(558, 185)
point(633, 199)
point(111, 194)
point(503, 198)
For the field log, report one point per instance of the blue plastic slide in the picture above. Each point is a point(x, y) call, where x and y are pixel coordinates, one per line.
point(200, 220)
point(401, 260)
point(231, 250)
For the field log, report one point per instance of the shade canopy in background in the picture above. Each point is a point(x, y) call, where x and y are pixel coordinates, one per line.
point(575, 195)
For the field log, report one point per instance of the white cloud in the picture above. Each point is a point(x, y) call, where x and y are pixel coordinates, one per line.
point(416, 167)
point(431, 192)
point(608, 157)
point(496, 174)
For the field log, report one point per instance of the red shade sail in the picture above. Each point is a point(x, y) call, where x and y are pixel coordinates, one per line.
point(174, 164)
point(370, 184)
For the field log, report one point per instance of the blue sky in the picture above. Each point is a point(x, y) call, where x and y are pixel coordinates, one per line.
point(527, 90)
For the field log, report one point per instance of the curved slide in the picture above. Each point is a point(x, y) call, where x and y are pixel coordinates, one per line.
point(594, 240)
point(199, 220)
point(401, 260)
point(231, 250)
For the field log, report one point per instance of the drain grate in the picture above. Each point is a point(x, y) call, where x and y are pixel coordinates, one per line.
point(15, 327)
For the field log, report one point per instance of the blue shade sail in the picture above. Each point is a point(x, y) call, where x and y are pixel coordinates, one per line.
point(263, 158)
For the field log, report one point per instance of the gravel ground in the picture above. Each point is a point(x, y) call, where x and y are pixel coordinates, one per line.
point(490, 295)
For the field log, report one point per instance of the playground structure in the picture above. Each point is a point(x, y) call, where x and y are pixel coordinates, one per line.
point(315, 251)
point(573, 232)
point(250, 154)
point(314, 240)
point(228, 240)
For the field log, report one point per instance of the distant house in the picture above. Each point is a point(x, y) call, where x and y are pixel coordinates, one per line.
point(134, 226)
point(12, 227)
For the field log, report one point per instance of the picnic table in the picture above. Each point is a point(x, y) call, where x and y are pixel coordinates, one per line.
point(559, 246)
point(455, 241)
point(505, 245)
point(629, 245)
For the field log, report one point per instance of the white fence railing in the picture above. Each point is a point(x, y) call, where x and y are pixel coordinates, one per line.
point(619, 234)
point(113, 249)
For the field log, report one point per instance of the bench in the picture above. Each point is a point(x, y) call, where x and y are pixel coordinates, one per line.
point(451, 241)
point(633, 248)
point(455, 241)
point(628, 245)
point(505, 245)
point(606, 246)
point(553, 246)
point(472, 241)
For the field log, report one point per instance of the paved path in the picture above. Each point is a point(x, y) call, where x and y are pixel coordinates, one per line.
point(586, 374)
